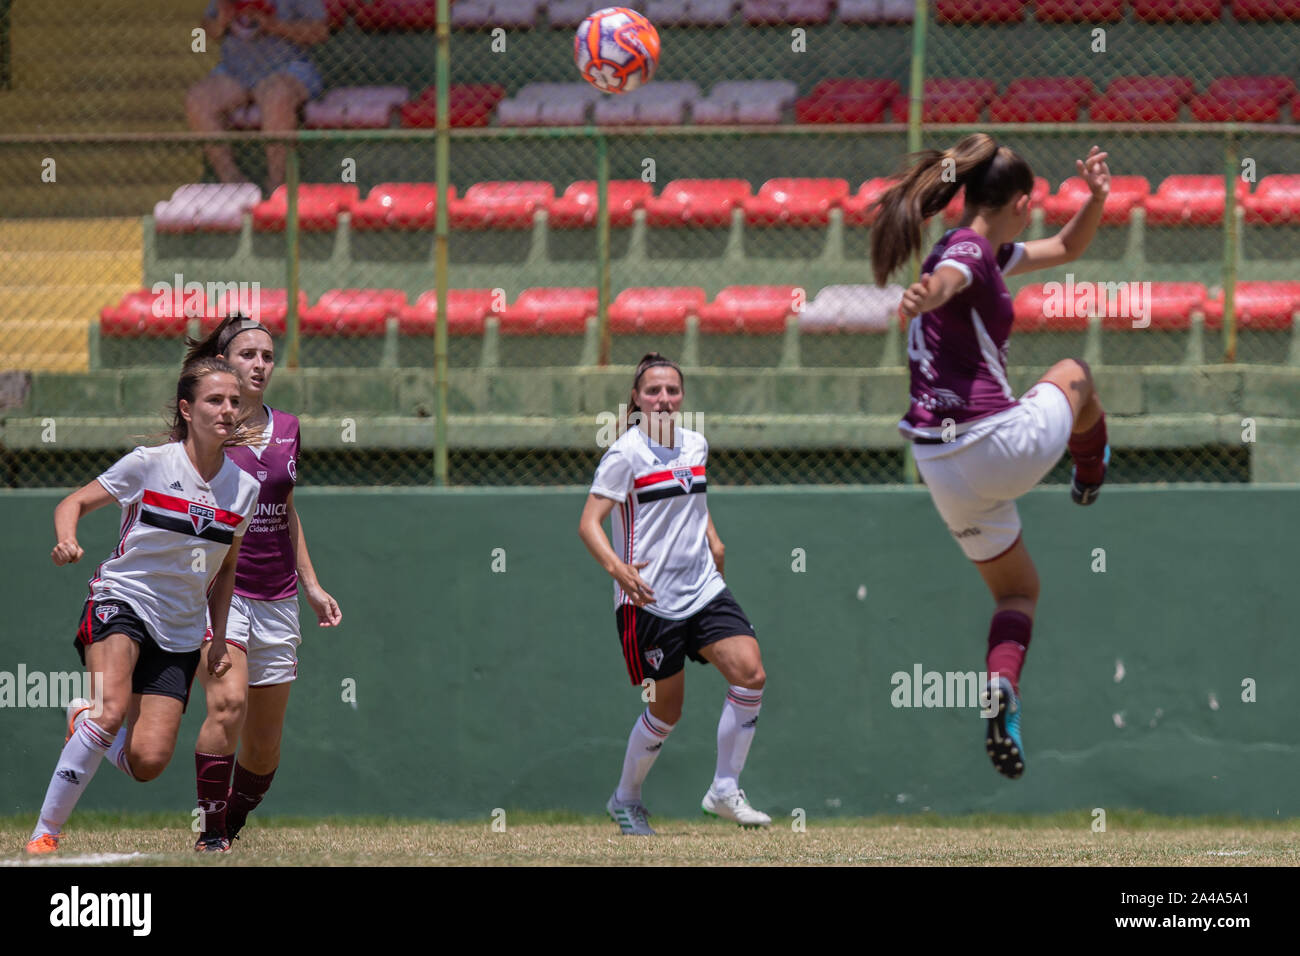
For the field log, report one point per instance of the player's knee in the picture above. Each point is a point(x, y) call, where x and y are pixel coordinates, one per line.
point(227, 710)
point(753, 676)
point(110, 717)
point(148, 765)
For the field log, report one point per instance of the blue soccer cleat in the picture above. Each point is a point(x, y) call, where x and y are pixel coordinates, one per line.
point(1002, 739)
point(1082, 494)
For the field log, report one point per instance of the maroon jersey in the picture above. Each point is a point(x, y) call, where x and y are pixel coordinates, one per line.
point(268, 567)
point(957, 353)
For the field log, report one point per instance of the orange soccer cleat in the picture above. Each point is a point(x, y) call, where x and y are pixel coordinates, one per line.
point(45, 843)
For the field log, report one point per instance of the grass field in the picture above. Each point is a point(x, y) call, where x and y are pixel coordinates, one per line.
point(532, 839)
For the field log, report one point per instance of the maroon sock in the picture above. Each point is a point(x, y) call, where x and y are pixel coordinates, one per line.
point(1008, 640)
point(213, 774)
point(246, 792)
point(1087, 449)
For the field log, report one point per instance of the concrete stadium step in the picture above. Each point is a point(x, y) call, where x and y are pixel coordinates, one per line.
point(71, 235)
point(55, 345)
point(48, 111)
point(172, 72)
point(42, 201)
point(92, 268)
point(103, 167)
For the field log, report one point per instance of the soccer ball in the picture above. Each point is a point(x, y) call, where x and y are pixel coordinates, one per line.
point(616, 50)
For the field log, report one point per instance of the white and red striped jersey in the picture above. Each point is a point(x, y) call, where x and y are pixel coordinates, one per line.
point(662, 517)
point(176, 531)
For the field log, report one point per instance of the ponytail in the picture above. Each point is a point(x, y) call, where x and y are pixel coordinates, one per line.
point(992, 176)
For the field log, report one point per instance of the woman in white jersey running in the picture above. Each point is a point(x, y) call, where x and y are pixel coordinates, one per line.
point(246, 708)
point(185, 507)
point(655, 475)
point(976, 446)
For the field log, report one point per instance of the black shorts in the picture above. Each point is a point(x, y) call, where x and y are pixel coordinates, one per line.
point(159, 672)
point(655, 647)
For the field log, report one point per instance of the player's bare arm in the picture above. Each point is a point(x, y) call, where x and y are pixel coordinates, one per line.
point(66, 515)
point(1075, 236)
point(932, 291)
point(716, 547)
point(223, 586)
point(592, 533)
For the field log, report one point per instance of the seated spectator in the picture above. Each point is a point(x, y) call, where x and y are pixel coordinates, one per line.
point(263, 58)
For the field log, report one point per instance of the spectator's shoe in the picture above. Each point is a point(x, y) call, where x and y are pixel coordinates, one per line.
point(734, 806)
point(1083, 494)
point(45, 843)
point(75, 709)
point(631, 817)
point(1002, 739)
point(212, 843)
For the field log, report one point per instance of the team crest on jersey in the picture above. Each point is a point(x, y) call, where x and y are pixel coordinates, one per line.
point(293, 470)
point(261, 475)
point(683, 477)
point(201, 517)
point(106, 611)
point(962, 249)
point(655, 656)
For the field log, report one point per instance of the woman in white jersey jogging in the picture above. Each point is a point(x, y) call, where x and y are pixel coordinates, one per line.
point(185, 507)
point(976, 446)
point(652, 480)
point(246, 708)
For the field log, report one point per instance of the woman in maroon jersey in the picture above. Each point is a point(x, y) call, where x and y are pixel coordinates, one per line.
point(263, 632)
point(977, 447)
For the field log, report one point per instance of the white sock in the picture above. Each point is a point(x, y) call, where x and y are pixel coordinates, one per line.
point(117, 753)
point(77, 764)
point(648, 735)
point(735, 734)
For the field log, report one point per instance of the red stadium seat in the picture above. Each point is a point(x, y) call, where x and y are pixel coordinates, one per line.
point(319, 205)
point(1044, 99)
point(1178, 11)
point(858, 208)
point(950, 100)
point(1266, 9)
point(847, 100)
point(468, 104)
point(794, 202)
point(352, 312)
point(1031, 306)
point(559, 311)
point(577, 207)
point(271, 308)
point(1190, 201)
point(751, 309)
point(953, 211)
point(696, 202)
point(337, 12)
point(1079, 11)
point(1171, 308)
point(779, 12)
point(467, 309)
point(654, 311)
point(1050, 87)
point(1267, 306)
point(1247, 99)
point(1126, 192)
point(1276, 201)
point(1142, 99)
point(499, 205)
point(980, 11)
point(145, 314)
point(398, 206)
point(396, 14)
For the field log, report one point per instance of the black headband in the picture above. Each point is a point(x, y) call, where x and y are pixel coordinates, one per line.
point(236, 328)
point(656, 364)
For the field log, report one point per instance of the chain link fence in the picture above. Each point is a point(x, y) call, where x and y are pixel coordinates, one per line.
point(740, 183)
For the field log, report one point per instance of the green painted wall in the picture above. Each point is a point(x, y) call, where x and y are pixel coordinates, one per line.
point(478, 690)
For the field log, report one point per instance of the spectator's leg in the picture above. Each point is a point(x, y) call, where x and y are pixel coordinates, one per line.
point(206, 104)
point(279, 97)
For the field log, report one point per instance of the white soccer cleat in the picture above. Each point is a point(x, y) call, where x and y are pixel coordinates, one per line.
point(734, 806)
point(75, 709)
point(631, 817)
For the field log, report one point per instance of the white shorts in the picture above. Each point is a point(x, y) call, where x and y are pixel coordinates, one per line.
point(974, 484)
point(268, 633)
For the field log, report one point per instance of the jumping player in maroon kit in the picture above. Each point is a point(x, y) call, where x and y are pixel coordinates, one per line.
point(976, 446)
point(263, 629)
point(655, 475)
